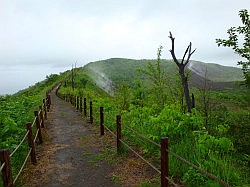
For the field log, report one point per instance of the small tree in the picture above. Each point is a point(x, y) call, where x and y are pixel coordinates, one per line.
point(233, 41)
point(157, 75)
point(181, 65)
point(163, 88)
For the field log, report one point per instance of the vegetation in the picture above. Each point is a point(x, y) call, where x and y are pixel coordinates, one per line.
point(234, 41)
point(215, 136)
point(15, 111)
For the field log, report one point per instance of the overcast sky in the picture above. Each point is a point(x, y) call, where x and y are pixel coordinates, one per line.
point(56, 33)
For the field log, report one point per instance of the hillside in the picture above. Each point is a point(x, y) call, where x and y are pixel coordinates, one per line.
point(111, 72)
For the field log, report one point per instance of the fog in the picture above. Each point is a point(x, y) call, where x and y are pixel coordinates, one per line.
point(19, 77)
point(41, 37)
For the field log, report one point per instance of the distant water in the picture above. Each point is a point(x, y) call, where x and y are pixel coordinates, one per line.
point(15, 78)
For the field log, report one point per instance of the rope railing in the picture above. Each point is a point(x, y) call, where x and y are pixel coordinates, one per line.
point(110, 117)
point(180, 158)
point(110, 131)
point(6, 156)
point(2, 166)
point(211, 176)
point(24, 163)
point(37, 131)
point(19, 145)
point(142, 136)
point(34, 121)
point(147, 162)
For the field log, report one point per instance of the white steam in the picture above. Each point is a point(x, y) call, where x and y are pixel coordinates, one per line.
point(102, 80)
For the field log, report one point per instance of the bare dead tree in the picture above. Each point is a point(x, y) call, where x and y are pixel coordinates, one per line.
point(181, 65)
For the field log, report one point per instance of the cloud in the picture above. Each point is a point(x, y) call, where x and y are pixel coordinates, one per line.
point(63, 30)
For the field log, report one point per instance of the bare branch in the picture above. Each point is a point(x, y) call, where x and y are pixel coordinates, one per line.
point(172, 50)
point(193, 52)
point(189, 53)
point(185, 54)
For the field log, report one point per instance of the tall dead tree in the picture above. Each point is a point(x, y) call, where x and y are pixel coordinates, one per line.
point(181, 65)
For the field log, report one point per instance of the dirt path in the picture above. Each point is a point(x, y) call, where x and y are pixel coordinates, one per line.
point(68, 157)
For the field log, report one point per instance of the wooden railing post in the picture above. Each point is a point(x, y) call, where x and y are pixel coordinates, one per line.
point(38, 127)
point(118, 133)
point(44, 108)
point(85, 107)
point(90, 112)
point(70, 99)
point(41, 116)
point(164, 161)
point(31, 143)
point(101, 120)
point(81, 104)
point(6, 172)
point(49, 102)
point(77, 102)
point(74, 101)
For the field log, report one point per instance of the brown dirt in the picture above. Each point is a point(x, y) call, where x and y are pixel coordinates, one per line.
point(68, 155)
point(74, 154)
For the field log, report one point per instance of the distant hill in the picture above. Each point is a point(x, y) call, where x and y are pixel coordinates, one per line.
point(216, 72)
point(112, 72)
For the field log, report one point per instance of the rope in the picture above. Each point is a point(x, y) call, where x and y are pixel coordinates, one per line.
point(22, 166)
point(151, 165)
point(142, 136)
point(34, 121)
point(25, 136)
point(107, 114)
point(199, 169)
point(110, 131)
point(94, 107)
point(37, 131)
point(1, 168)
point(181, 159)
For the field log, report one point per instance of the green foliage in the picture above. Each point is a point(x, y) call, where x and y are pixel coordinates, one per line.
point(217, 146)
point(234, 42)
point(15, 112)
point(123, 97)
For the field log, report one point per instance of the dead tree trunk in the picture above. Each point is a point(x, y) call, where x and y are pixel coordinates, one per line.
point(181, 65)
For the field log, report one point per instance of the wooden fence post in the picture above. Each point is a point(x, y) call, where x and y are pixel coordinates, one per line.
point(85, 107)
point(31, 143)
point(101, 121)
point(44, 109)
point(75, 99)
point(90, 112)
point(71, 99)
point(38, 127)
point(6, 171)
point(118, 133)
point(81, 104)
point(49, 102)
point(77, 102)
point(164, 161)
point(41, 116)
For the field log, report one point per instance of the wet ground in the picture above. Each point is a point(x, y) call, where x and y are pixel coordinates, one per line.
point(69, 157)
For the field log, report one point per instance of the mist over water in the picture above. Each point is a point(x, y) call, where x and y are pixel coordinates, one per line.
point(15, 78)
